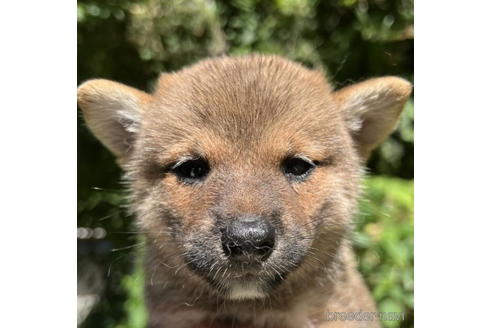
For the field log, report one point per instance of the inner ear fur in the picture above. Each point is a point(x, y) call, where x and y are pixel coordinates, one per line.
point(112, 112)
point(372, 109)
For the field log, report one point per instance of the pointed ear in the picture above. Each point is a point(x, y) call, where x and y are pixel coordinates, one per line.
point(372, 109)
point(112, 112)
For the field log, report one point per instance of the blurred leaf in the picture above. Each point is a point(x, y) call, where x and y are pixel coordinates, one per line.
point(387, 212)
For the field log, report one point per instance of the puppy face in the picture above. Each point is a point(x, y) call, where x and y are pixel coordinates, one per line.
point(243, 171)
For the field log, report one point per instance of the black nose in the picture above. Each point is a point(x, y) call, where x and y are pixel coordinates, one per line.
point(249, 237)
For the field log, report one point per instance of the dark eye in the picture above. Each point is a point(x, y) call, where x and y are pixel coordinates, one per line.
point(191, 170)
point(296, 167)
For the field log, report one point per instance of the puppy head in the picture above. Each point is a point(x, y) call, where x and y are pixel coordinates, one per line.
point(243, 169)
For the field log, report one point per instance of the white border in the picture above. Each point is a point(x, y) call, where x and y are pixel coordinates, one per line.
point(453, 169)
point(38, 163)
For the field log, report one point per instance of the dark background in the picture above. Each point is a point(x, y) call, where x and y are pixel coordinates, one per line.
point(133, 41)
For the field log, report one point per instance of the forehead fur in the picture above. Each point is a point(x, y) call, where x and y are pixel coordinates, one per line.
point(241, 100)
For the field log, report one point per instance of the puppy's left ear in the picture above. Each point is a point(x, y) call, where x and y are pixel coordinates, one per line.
point(372, 109)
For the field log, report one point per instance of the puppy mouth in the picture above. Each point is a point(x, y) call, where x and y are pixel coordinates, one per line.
point(247, 284)
point(242, 277)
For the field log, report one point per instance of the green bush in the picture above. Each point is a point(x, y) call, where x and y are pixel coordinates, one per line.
point(383, 240)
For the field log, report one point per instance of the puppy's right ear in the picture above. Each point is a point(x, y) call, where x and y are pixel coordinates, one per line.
point(112, 112)
point(372, 109)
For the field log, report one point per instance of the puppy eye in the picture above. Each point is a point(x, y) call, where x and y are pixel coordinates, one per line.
point(297, 167)
point(191, 170)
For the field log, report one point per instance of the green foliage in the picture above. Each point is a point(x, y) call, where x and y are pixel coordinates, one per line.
point(135, 306)
point(384, 244)
point(103, 209)
point(350, 40)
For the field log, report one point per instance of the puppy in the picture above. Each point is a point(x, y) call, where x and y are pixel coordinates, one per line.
point(244, 177)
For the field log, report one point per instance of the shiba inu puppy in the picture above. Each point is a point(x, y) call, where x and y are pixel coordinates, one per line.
point(244, 178)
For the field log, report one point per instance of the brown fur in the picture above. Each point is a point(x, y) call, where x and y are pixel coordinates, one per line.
point(245, 115)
